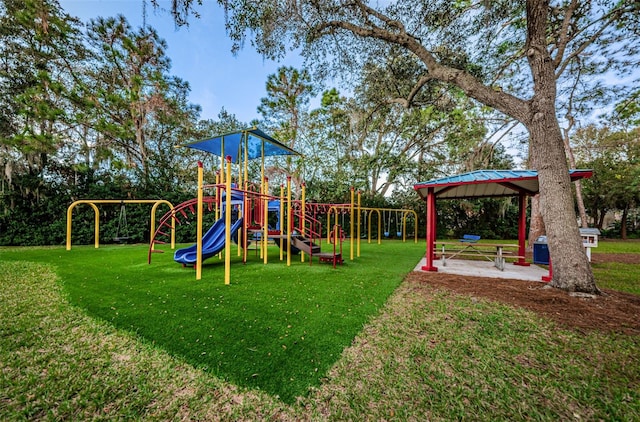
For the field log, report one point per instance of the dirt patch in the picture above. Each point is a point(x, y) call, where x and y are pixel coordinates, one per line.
point(624, 258)
point(611, 312)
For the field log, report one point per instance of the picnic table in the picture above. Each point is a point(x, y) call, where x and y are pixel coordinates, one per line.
point(493, 252)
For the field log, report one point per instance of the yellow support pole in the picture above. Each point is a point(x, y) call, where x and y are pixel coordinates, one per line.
point(358, 225)
point(222, 168)
point(245, 186)
point(153, 222)
point(96, 213)
point(227, 223)
point(246, 161)
point(404, 226)
point(264, 185)
point(199, 224)
point(282, 222)
point(239, 216)
point(288, 221)
point(302, 216)
point(380, 216)
point(329, 223)
point(217, 207)
point(369, 214)
point(265, 222)
point(351, 221)
point(415, 223)
point(97, 227)
point(240, 165)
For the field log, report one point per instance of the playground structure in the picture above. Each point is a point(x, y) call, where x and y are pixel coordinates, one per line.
point(296, 231)
point(243, 211)
point(93, 203)
point(298, 226)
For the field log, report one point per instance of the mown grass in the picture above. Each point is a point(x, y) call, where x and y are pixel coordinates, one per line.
point(433, 355)
point(425, 354)
point(274, 328)
point(617, 246)
point(617, 275)
point(57, 363)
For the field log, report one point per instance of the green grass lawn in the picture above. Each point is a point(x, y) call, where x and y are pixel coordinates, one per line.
point(275, 328)
point(616, 275)
point(99, 334)
point(617, 246)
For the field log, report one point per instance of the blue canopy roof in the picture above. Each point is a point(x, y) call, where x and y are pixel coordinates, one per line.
point(233, 144)
point(488, 183)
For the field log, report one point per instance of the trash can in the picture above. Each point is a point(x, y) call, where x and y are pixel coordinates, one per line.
point(541, 251)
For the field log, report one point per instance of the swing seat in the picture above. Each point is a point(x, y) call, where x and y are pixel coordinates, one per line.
point(386, 234)
point(121, 239)
point(398, 234)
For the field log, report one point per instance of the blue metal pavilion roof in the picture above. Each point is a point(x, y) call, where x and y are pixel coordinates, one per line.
point(488, 183)
point(233, 144)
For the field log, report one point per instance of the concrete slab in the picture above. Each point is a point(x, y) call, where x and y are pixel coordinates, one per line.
point(487, 269)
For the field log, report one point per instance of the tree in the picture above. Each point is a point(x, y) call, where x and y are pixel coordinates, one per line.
point(508, 55)
point(283, 109)
point(39, 46)
point(615, 157)
point(442, 128)
point(379, 145)
point(129, 88)
point(328, 168)
point(38, 43)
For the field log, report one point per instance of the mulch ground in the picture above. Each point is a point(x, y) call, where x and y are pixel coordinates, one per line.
point(611, 312)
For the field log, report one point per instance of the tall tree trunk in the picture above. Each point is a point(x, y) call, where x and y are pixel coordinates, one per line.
point(536, 224)
point(623, 223)
point(571, 268)
point(603, 214)
point(582, 212)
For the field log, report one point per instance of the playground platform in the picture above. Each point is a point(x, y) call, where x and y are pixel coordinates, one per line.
point(477, 268)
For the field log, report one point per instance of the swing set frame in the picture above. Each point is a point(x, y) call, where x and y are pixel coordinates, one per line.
point(93, 203)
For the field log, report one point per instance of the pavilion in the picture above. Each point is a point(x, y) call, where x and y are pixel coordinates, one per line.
point(483, 184)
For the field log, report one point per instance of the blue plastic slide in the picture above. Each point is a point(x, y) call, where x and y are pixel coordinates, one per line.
point(212, 243)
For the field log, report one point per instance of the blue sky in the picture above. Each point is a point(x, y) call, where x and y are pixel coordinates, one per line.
point(200, 54)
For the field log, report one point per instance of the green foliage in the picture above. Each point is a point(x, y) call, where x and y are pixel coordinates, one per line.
point(38, 43)
point(135, 104)
point(283, 112)
point(489, 218)
point(628, 109)
point(614, 155)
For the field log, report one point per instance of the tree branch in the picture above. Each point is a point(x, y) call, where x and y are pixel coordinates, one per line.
point(563, 38)
point(562, 63)
point(407, 102)
point(506, 103)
